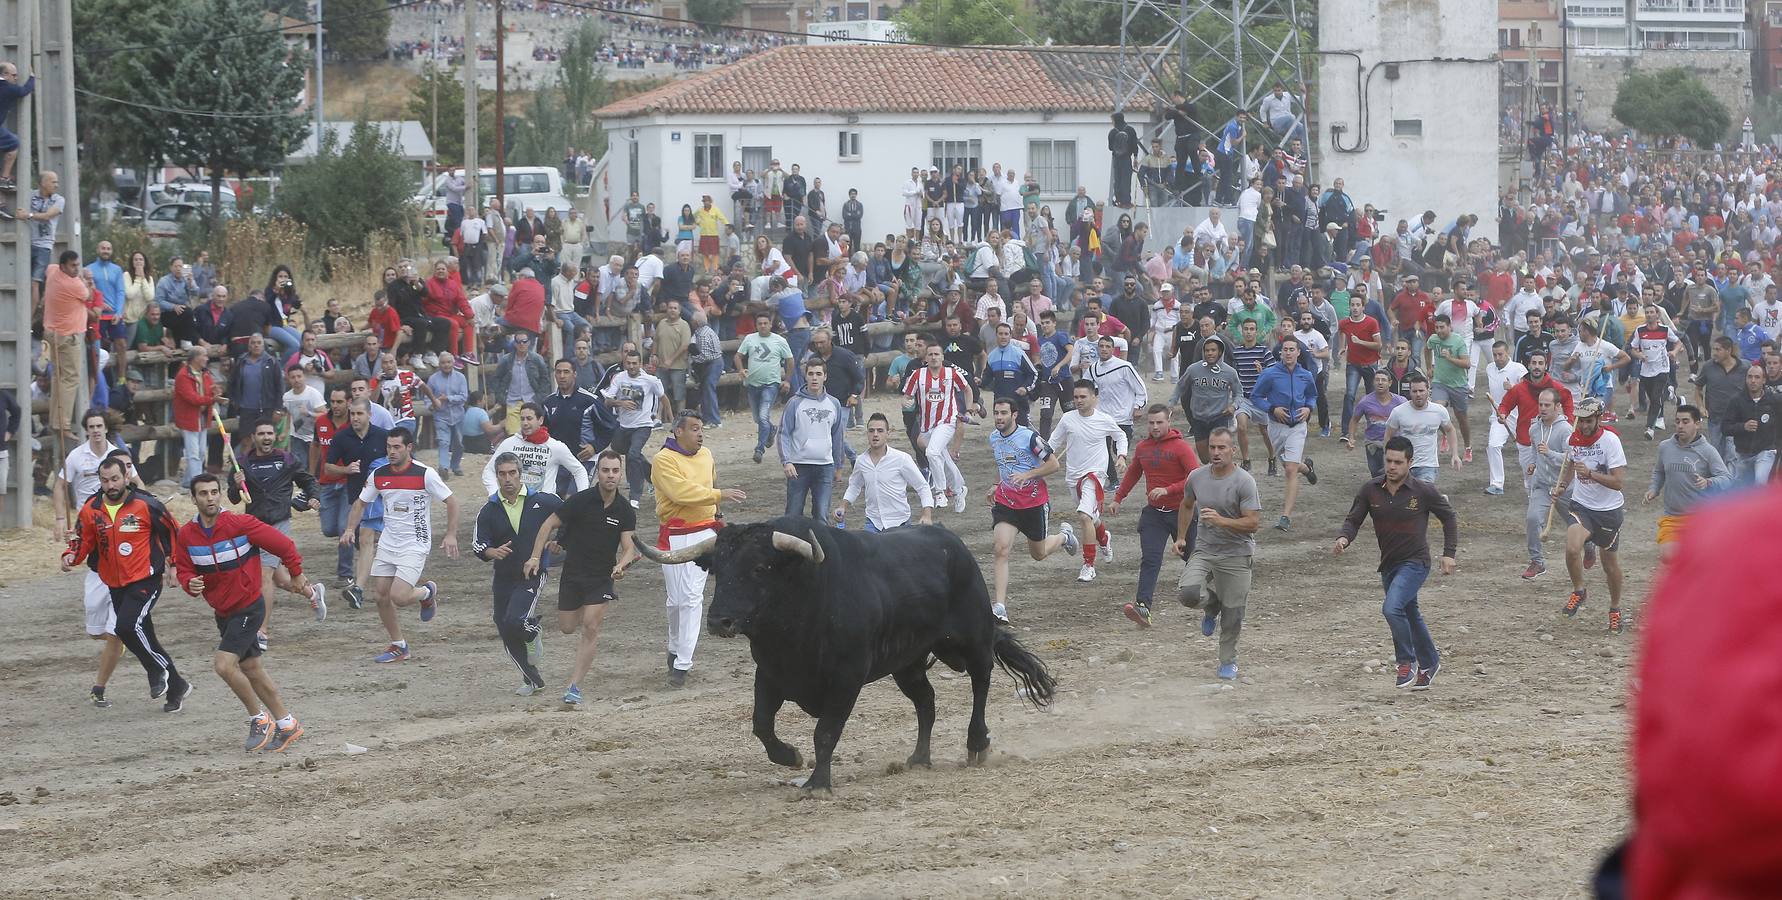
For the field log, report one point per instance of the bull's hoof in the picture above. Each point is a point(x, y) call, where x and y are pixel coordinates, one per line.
point(977, 758)
point(919, 759)
point(790, 758)
point(811, 793)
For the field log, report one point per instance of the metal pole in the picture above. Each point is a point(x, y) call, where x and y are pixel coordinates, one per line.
point(469, 162)
point(1237, 62)
point(1565, 87)
point(500, 106)
point(319, 95)
point(434, 69)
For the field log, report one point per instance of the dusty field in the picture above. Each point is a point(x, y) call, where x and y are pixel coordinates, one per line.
point(1147, 777)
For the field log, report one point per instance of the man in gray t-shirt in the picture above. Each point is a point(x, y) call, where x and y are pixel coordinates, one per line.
point(1423, 423)
point(1222, 501)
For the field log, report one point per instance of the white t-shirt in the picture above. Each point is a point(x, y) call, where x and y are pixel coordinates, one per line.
point(1422, 426)
point(81, 470)
point(643, 389)
point(1499, 381)
point(1768, 316)
point(1315, 342)
point(471, 230)
point(1460, 314)
point(408, 497)
point(1602, 456)
point(1083, 441)
point(303, 408)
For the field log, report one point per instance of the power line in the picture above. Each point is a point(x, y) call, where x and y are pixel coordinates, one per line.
point(282, 29)
point(206, 114)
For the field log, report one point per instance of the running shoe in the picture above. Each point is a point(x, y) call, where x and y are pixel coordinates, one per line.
point(1284, 524)
point(1406, 677)
point(7, 184)
point(1138, 613)
point(770, 437)
point(1107, 550)
point(677, 678)
point(261, 640)
point(1000, 613)
point(1648, 434)
point(318, 600)
point(1086, 573)
point(1494, 490)
point(178, 689)
point(1535, 570)
point(1228, 671)
point(355, 596)
point(1467, 457)
point(526, 688)
point(535, 647)
point(1589, 556)
point(1272, 470)
point(1071, 543)
point(1209, 623)
point(1156, 376)
point(157, 686)
point(284, 737)
point(1573, 602)
point(393, 654)
point(97, 694)
point(1610, 417)
point(1425, 677)
point(259, 732)
point(1659, 424)
point(6, 213)
point(1324, 432)
point(1310, 473)
point(1246, 465)
point(573, 696)
point(430, 604)
point(959, 499)
point(757, 454)
point(1614, 621)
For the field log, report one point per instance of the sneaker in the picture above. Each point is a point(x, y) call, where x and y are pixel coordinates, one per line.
point(1589, 556)
point(284, 737)
point(1272, 470)
point(1156, 376)
point(1000, 613)
point(1209, 623)
point(1494, 490)
point(457, 473)
point(535, 648)
point(1246, 465)
point(1648, 434)
point(526, 689)
point(1425, 677)
point(1614, 621)
point(677, 678)
point(6, 214)
point(430, 605)
point(1138, 613)
point(259, 732)
point(261, 640)
point(1324, 432)
point(393, 654)
point(7, 184)
point(355, 596)
point(1310, 473)
point(757, 454)
point(1284, 524)
point(318, 600)
point(97, 694)
point(1535, 569)
point(1086, 573)
point(469, 360)
point(157, 686)
point(1573, 602)
point(573, 696)
point(1107, 551)
point(1228, 672)
point(1659, 424)
point(431, 359)
point(178, 689)
point(1071, 543)
point(770, 436)
point(1405, 676)
point(1467, 457)
point(959, 499)
point(1610, 418)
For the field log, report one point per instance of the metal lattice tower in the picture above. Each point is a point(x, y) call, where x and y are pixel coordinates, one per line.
point(1222, 56)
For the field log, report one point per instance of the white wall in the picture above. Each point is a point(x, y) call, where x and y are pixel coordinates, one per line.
point(889, 146)
point(1452, 167)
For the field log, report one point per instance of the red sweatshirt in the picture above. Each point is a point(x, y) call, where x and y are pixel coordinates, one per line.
point(1525, 398)
point(387, 323)
point(228, 556)
point(1165, 464)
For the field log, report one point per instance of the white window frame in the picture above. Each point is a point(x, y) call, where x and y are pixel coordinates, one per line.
point(848, 145)
point(942, 154)
point(706, 138)
point(1049, 175)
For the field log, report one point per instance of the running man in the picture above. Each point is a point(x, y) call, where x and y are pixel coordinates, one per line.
point(1422, 422)
point(542, 457)
point(409, 490)
point(936, 388)
point(1020, 503)
point(1082, 438)
point(1549, 434)
point(593, 532)
point(510, 523)
point(1249, 357)
point(266, 475)
point(1401, 507)
point(213, 556)
point(1599, 466)
point(1286, 393)
point(685, 476)
point(883, 476)
point(1687, 468)
point(1208, 393)
point(126, 535)
point(1165, 459)
point(1501, 374)
point(1220, 502)
point(79, 475)
point(1451, 383)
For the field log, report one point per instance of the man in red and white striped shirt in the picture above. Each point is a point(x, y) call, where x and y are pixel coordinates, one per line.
point(937, 390)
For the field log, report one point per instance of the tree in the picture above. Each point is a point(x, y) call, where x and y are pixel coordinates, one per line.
point(960, 22)
point(120, 132)
point(357, 29)
point(245, 84)
point(713, 13)
point(584, 88)
point(448, 144)
point(345, 195)
point(1672, 103)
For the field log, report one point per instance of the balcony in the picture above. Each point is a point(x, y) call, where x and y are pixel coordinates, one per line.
point(1716, 11)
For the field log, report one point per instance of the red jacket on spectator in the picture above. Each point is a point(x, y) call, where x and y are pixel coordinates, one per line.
point(385, 321)
point(445, 297)
point(525, 305)
point(192, 399)
point(1165, 464)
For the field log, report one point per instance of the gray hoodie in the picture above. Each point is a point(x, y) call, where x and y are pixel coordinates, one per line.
point(1547, 465)
point(1208, 391)
point(1678, 466)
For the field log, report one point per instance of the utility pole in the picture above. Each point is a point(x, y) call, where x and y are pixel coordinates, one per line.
point(472, 204)
point(500, 106)
point(318, 97)
point(434, 70)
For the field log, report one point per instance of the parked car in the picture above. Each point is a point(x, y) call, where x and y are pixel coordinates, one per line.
point(187, 192)
point(165, 221)
point(538, 187)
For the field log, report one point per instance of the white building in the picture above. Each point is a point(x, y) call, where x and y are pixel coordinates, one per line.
point(1421, 132)
point(1658, 24)
point(860, 117)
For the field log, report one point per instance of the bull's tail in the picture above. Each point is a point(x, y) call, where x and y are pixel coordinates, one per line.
point(1036, 681)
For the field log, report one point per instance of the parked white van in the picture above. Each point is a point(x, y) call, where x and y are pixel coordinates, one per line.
point(538, 187)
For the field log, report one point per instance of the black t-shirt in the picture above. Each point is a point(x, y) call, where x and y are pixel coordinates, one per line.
point(590, 533)
point(1215, 308)
point(962, 350)
point(850, 332)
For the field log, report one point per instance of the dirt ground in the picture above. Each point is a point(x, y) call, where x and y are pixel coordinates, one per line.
point(1147, 777)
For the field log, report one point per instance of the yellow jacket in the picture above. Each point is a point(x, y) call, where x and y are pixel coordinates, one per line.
point(685, 488)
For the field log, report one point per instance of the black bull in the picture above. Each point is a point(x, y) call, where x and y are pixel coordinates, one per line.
point(828, 611)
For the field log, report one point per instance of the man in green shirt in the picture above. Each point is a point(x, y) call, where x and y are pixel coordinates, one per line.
point(1339, 298)
point(1250, 310)
point(765, 359)
point(1452, 386)
point(150, 333)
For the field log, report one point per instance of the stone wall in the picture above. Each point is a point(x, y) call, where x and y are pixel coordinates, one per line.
point(1727, 73)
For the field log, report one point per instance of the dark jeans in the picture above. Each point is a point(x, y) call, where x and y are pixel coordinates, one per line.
point(630, 443)
point(433, 334)
point(1323, 382)
point(1357, 382)
point(1411, 642)
point(761, 399)
point(1157, 534)
point(709, 373)
point(336, 506)
point(814, 481)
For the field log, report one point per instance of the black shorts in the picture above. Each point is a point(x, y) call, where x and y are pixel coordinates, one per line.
point(1031, 522)
point(240, 630)
point(1604, 525)
point(575, 593)
point(1202, 429)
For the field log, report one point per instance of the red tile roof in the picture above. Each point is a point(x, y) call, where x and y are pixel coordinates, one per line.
point(848, 78)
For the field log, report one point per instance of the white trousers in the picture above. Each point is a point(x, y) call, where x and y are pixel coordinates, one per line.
point(1480, 356)
point(1159, 349)
point(943, 472)
point(686, 600)
point(912, 215)
point(1494, 448)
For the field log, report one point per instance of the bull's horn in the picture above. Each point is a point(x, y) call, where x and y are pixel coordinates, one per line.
point(811, 549)
point(674, 557)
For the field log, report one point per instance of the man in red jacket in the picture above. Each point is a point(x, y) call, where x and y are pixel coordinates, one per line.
point(1523, 399)
point(444, 299)
point(1411, 309)
point(1165, 458)
point(193, 393)
point(525, 305)
point(217, 555)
